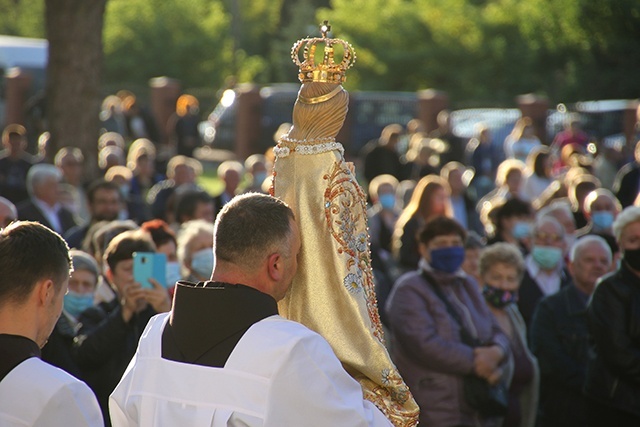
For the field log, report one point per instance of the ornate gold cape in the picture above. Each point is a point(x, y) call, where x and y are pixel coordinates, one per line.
point(333, 290)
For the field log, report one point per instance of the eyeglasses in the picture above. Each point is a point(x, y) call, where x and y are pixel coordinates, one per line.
point(548, 237)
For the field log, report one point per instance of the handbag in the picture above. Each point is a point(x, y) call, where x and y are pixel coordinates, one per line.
point(489, 400)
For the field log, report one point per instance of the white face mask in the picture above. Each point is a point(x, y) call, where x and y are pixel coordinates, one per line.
point(202, 263)
point(173, 273)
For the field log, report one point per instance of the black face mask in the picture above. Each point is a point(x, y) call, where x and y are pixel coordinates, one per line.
point(632, 258)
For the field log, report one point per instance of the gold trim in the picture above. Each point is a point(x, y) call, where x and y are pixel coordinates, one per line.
point(322, 98)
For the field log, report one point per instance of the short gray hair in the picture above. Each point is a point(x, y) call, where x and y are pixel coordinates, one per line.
point(555, 206)
point(187, 233)
point(585, 241)
point(40, 173)
point(543, 220)
point(83, 261)
point(628, 216)
point(502, 253)
point(249, 226)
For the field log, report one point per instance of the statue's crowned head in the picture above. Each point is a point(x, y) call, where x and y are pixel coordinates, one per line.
point(322, 103)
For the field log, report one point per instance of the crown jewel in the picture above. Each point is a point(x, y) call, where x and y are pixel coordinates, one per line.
point(326, 71)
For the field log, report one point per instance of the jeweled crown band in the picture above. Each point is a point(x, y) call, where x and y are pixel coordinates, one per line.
point(321, 98)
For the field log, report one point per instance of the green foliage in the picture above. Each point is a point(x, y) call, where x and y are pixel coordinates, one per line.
point(487, 51)
point(149, 38)
point(23, 18)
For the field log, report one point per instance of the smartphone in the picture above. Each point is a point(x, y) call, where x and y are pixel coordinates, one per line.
point(148, 265)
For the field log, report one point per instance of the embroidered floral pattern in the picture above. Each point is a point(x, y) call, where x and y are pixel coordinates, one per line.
point(353, 283)
point(391, 397)
point(345, 208)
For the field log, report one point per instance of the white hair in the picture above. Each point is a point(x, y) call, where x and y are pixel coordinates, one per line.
point(40, 173)
point(588, 240)
point(628, 216)
point(556, 206)
point(543, 220)
point(187, 233)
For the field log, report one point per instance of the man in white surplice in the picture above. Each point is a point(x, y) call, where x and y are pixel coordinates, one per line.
point(34, 276)
point(224, 357)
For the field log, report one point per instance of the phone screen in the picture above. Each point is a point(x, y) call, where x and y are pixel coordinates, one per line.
point(148, 265)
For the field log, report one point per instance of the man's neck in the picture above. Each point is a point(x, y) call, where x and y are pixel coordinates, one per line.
point(227, 272)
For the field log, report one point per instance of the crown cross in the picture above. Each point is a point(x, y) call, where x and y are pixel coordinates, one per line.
point(326, 71)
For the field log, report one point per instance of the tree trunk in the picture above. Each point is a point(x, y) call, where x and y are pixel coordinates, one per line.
point(74, 75)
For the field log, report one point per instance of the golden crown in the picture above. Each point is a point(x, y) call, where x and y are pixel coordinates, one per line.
point(326, 71)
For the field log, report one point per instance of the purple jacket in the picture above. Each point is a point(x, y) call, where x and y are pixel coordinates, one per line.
point(426, 346)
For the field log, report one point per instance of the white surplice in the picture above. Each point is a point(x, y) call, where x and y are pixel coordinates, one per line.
point(279, 374)
point(36, 394)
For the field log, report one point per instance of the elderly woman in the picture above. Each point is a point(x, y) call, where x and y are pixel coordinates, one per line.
point(613, 375)
point(501, 269)
point(59, 349)
point(195, 250)
point(428, 310)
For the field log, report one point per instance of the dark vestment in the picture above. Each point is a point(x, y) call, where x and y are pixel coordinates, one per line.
point(15, 349)
point(207, 324)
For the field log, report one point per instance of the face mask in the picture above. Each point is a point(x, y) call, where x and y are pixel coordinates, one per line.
point(202, 263)
point(75, 303)
point(447, 259)
point(259, 178)
point(173, 273)
point(602, 220)
point(499, 298)
point(387, 201)
point(547, 257)
point(521, 229)
point(632, 258)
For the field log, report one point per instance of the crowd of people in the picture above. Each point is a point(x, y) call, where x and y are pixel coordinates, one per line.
point(522, 247)
point(532, 250)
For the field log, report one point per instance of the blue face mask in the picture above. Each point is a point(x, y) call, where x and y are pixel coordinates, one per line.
point(173, 273)
point(387, 201)
point(202, 263)
point(75, 303)
point(547, 257)
point(521, 229)
point(448, 259)
point(602, 220)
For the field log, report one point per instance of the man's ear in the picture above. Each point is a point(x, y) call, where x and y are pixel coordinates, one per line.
point(45, 291)
point(275, 267)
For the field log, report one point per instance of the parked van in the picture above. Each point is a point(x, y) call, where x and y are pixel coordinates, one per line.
point(30, 55)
